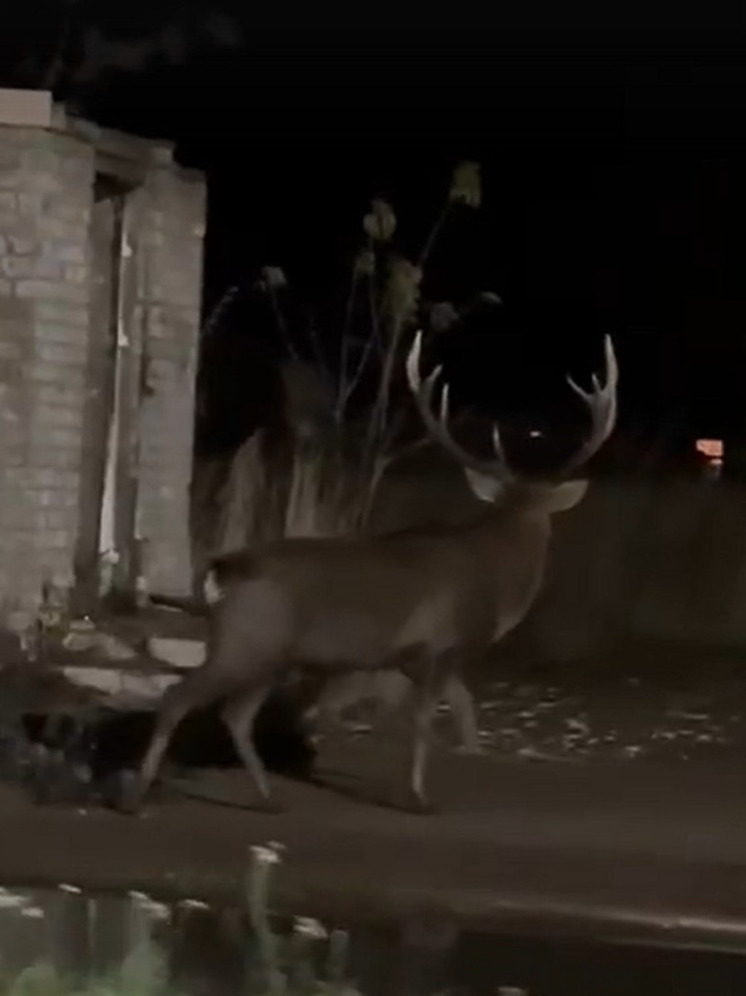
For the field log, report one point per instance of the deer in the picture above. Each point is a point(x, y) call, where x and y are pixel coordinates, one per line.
point(389, 689)
point(420, 601)
point(323, 704)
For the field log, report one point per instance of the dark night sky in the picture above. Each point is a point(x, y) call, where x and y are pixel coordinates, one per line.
point(613, 151)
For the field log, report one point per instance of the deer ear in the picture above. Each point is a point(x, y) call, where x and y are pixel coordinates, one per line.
point(563, 497)
point(484, 487)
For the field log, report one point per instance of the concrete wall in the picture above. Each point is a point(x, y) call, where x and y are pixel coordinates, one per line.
point(49, 333)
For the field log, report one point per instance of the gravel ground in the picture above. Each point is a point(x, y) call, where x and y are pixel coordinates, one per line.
point(684, 718)
point(630, 718)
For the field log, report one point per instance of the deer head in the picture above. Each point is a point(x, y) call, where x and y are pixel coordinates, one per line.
point(493, 480)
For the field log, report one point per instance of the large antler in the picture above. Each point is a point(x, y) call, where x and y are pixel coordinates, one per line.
point(437, 426)
point(602, 404)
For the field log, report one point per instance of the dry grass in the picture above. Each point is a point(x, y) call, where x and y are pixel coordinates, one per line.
point(347, 411)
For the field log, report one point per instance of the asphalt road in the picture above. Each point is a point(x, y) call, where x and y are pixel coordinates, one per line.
point(652, 852)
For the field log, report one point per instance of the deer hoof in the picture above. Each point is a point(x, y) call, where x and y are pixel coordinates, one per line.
point(271, 807)
point(420, 806)
point(109, 790)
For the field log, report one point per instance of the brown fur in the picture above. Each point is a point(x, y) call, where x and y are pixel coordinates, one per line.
point(421, 600)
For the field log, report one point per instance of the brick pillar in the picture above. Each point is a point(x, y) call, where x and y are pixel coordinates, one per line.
point(169, 213)
point(46, 184)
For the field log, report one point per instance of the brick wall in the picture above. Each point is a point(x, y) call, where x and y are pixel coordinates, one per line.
point(45, 199)
point(47, 339)
point(169, 214)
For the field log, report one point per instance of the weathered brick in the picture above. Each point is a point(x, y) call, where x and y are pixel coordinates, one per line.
point(47, 184)
point(22, 477)
point(45, 337)
point(31, 267)
point(64, 355)
point(161, 373)
point(52, 373)
point(13, 425)
point(60, 539)
point(53, 519)
point(48, 332)
point(152, 239)
point(54, 435)
point(14, 515)
point(30, 204)
point(76, 293)
point(51, 290)
point(40, 160)
point(76, 214)
point(47, 267)
point(13, 310)
point(59, 397)
point(13, 456)
point(10, 179)
point(63, 577)
point(14, 428)
point(11, 374)
point(11, 135)
point(76, 274)
point(61, 313)
point(166, 349)
point(51, 539)
point(77, 170)
point(56, 228)
point(14, 331)
point(10, 158)
point(11, 350)
point(38, 289)
point(156, 321)
point(67, 252)
point(45, 497)
point(70, 146)
point(17, 540)
point(53, 457)
point(22, 245)
point(59, 416)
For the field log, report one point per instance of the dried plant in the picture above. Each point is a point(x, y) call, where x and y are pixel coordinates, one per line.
point(346, 416)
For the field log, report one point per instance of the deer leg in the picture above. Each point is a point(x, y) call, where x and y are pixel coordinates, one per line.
point(461, 704)
point(424, 713)
point(321, 701)
point(429, 693)
point(238, 715)
point(199, 688)
point(341, 692)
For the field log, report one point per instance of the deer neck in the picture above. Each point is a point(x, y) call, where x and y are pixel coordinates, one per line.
point(512, 549)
